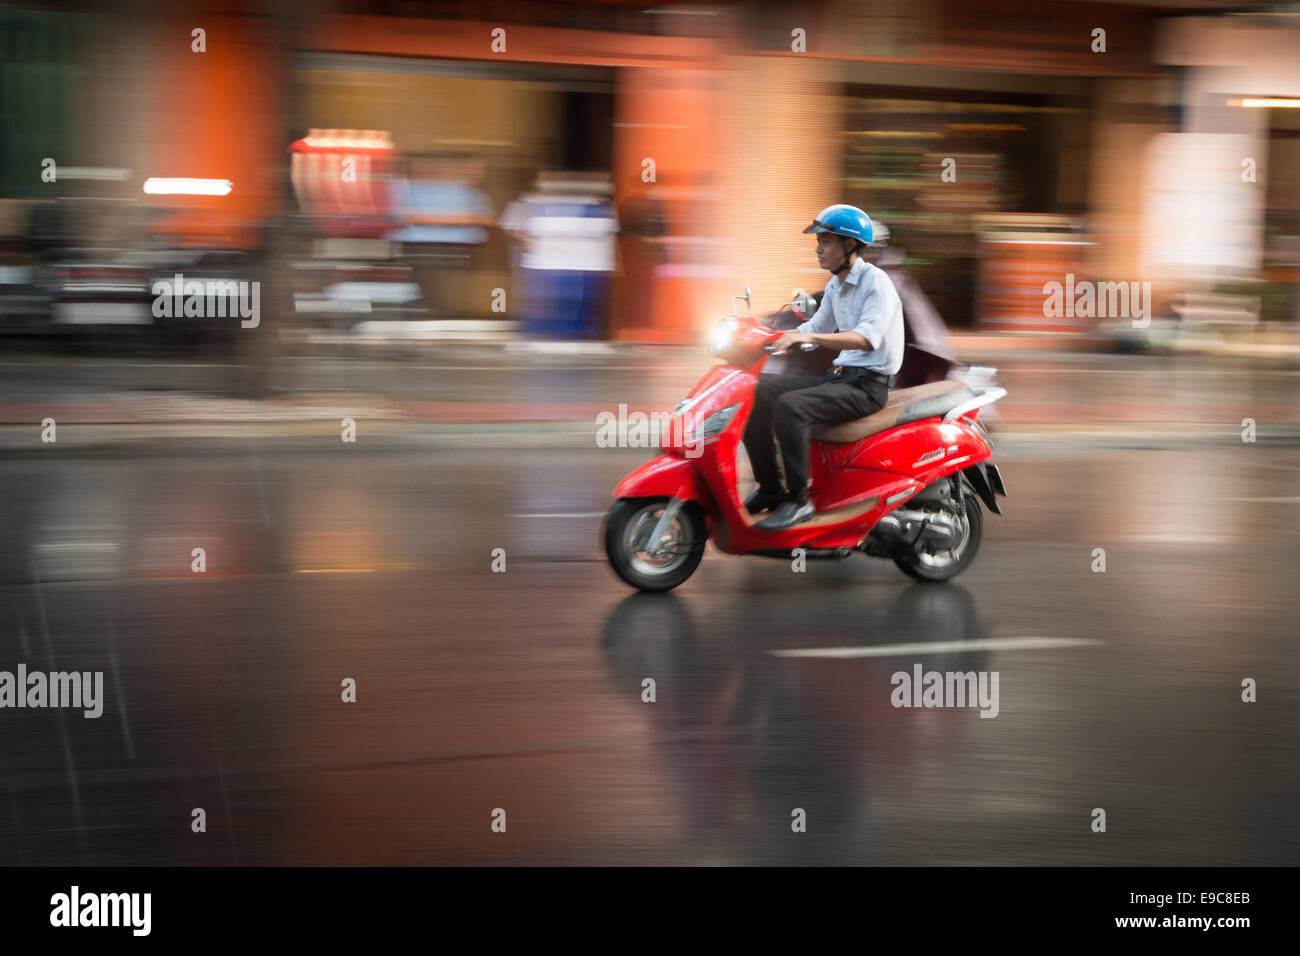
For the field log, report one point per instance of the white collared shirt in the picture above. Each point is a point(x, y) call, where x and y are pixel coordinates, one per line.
point(867, 303)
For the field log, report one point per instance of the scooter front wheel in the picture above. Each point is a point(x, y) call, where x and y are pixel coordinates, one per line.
point(664, 562)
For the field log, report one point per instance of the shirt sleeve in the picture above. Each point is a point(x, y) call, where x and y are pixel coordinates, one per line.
point(822, 321)
point(875, 309)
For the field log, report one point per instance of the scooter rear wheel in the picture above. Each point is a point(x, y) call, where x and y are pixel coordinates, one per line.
point(628, 528)
point(940, 566)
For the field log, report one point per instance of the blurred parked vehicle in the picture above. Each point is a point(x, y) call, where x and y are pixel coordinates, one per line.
point(220, 271)
point(91, 289)
point(341, 281)
point(23, 306)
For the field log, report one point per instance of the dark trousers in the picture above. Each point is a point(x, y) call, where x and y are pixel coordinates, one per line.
point(786, 408)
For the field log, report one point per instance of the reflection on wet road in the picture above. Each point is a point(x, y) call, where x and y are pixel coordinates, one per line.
point(523, 690)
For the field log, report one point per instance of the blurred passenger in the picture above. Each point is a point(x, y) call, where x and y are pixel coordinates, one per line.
point(928, 353)
point(930, 357)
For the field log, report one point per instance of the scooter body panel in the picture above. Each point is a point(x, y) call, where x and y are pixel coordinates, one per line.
point(925, 450)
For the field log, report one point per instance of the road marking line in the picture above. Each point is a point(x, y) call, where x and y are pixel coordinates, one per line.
point(333, 570)
point(575, 514)
point(1272, 501)
point(939, 647)
point(377, 567)
point(1248, 607)
point(78, 546)
point(1180, 538)
point(107, 364)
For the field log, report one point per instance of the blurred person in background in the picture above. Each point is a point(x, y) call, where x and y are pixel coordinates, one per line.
point(567, 229)
point(443, 214)
point(860, 317)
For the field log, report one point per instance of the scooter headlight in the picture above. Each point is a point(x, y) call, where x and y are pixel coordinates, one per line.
point(721, 335)
point(716, 423)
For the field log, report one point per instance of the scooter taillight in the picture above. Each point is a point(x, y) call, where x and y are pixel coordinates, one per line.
point(978, 425)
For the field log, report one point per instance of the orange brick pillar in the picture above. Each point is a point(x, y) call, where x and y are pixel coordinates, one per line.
point(663, 155)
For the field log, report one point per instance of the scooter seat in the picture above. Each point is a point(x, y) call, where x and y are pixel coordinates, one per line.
point(904, 405)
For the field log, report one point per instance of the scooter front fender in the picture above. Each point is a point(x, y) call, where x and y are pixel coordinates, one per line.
point(667, 476)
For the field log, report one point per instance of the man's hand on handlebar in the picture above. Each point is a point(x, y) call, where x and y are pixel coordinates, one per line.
point(790, 340)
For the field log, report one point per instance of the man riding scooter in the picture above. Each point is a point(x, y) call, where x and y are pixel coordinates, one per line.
point(861, 317)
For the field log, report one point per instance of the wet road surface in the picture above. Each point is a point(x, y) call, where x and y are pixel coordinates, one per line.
point(522, 690)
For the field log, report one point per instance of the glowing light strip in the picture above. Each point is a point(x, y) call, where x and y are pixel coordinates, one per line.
point(336, 142)
point(187, 187)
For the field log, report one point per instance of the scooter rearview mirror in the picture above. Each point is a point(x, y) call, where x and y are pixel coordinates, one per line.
point(748, 305)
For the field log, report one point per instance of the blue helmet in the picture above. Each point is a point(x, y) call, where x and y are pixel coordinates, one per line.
point(843, 220)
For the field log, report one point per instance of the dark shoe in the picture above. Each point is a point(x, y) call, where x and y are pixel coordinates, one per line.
point(763, 501)
point(788, 515)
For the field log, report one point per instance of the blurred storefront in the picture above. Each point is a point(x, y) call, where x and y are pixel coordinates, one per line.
point(529, 102)
point(973, 129)
point(948, 169)
point(1001, 143)
point(1228, 228)
point(474, 135)
point(732, 126)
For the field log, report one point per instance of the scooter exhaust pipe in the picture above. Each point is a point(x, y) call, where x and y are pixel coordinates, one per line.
point(935, 531)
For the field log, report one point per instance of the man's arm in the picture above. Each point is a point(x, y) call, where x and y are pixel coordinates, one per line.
point(838, 341)
point(822, 320)
point(819, 331)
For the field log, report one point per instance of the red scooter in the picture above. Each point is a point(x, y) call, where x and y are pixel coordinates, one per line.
point(902, 483)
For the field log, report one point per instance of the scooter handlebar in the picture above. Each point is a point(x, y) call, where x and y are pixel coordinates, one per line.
point(802, 346)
